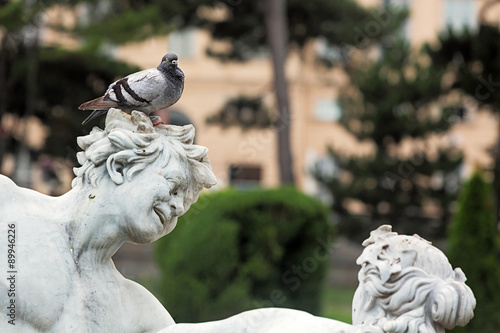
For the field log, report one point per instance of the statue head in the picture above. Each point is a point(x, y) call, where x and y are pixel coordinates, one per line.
point(408, 285)
point(143, 172)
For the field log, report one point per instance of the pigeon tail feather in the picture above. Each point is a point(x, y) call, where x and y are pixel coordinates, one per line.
point(93, 115)
point(100, 103)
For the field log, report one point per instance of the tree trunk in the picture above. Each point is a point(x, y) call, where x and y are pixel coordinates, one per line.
point(275, 21)
point(22, 174)
point(3, 93)
point(496, 174)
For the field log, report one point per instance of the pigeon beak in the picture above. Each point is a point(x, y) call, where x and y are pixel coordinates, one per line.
point(174, 62)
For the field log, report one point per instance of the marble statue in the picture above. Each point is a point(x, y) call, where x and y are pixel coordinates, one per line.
point(406, 285)
point(135, 180)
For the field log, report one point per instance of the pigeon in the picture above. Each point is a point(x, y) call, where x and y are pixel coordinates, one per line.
point(147, 91)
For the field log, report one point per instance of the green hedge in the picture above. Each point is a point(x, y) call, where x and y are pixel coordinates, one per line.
point(473, 247)
point(234, 251)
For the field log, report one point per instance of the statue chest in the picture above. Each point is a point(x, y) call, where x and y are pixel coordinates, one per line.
point(72, 303)
point(56, 294)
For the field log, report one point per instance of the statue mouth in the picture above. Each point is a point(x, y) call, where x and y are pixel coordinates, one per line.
point(161, 215)
point(370, 270)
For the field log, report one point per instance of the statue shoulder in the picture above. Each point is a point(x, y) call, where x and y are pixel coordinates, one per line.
point(6, 181)
point(7, 187)
point(154, 313)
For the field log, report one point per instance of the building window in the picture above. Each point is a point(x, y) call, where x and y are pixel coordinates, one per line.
point(319, 166)
point(331, 54)
point(182, 42)
point(459, 14)
point(245, 176)
point(178, 118)
point(405, 28)
point(327, 110)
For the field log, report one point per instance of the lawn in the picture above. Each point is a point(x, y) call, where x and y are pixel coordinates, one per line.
point(337, 303)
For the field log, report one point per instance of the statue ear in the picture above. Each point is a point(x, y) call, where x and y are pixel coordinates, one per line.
point(115, 170)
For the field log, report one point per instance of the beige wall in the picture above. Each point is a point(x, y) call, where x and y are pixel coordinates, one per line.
point(426, 18)
point(210, 83)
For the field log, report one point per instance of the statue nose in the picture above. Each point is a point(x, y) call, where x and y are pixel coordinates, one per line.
point(177, 208)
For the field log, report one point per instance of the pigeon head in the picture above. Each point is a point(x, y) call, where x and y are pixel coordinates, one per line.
point(168, 61)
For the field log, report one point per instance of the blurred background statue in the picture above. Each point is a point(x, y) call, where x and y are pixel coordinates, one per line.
point(405, 285)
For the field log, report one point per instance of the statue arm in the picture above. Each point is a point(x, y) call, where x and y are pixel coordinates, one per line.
point(147, 313)
point(268, 320)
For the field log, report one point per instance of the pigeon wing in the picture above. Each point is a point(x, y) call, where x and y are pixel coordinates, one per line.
point(138, 89)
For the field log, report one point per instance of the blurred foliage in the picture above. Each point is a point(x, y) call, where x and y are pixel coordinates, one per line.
point(248, 32)
point(241, 22)
point(337, 22)
point(474, 248)
point(398, 101)
point(397, 92)
point(234, 251)
point(120, 24)
point(337, 303)
point(65, 79)
point(472, 59)
point(46, 82)
point(247, 112)
point(100, 25)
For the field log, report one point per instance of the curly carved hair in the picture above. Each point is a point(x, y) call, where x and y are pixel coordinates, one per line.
point(134, 143)
point(407, 285)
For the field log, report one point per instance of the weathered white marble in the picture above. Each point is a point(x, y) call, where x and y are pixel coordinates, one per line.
point(133, 183)
point(267, 320)
point(406, 285)
point(135, 180)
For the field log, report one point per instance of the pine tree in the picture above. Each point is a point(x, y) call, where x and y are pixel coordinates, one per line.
point(472, 57)
point(473, 247)
point(395, 104)
point(280, 25)
point(255, 25)
point(45, 82)
point(250, 26)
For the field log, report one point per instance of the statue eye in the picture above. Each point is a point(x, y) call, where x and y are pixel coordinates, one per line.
point(174, 191)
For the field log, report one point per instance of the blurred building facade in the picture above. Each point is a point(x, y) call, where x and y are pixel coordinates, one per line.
point(314, 93)
point(249, 157)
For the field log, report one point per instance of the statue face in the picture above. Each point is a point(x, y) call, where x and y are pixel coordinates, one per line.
point(379, 263)
point(406, 283)
point(364, 307)
point(153, 200)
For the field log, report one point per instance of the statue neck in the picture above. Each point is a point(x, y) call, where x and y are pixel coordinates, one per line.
point(93, 237)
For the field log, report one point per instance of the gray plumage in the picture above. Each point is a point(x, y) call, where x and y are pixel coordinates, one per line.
point(147, 91)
